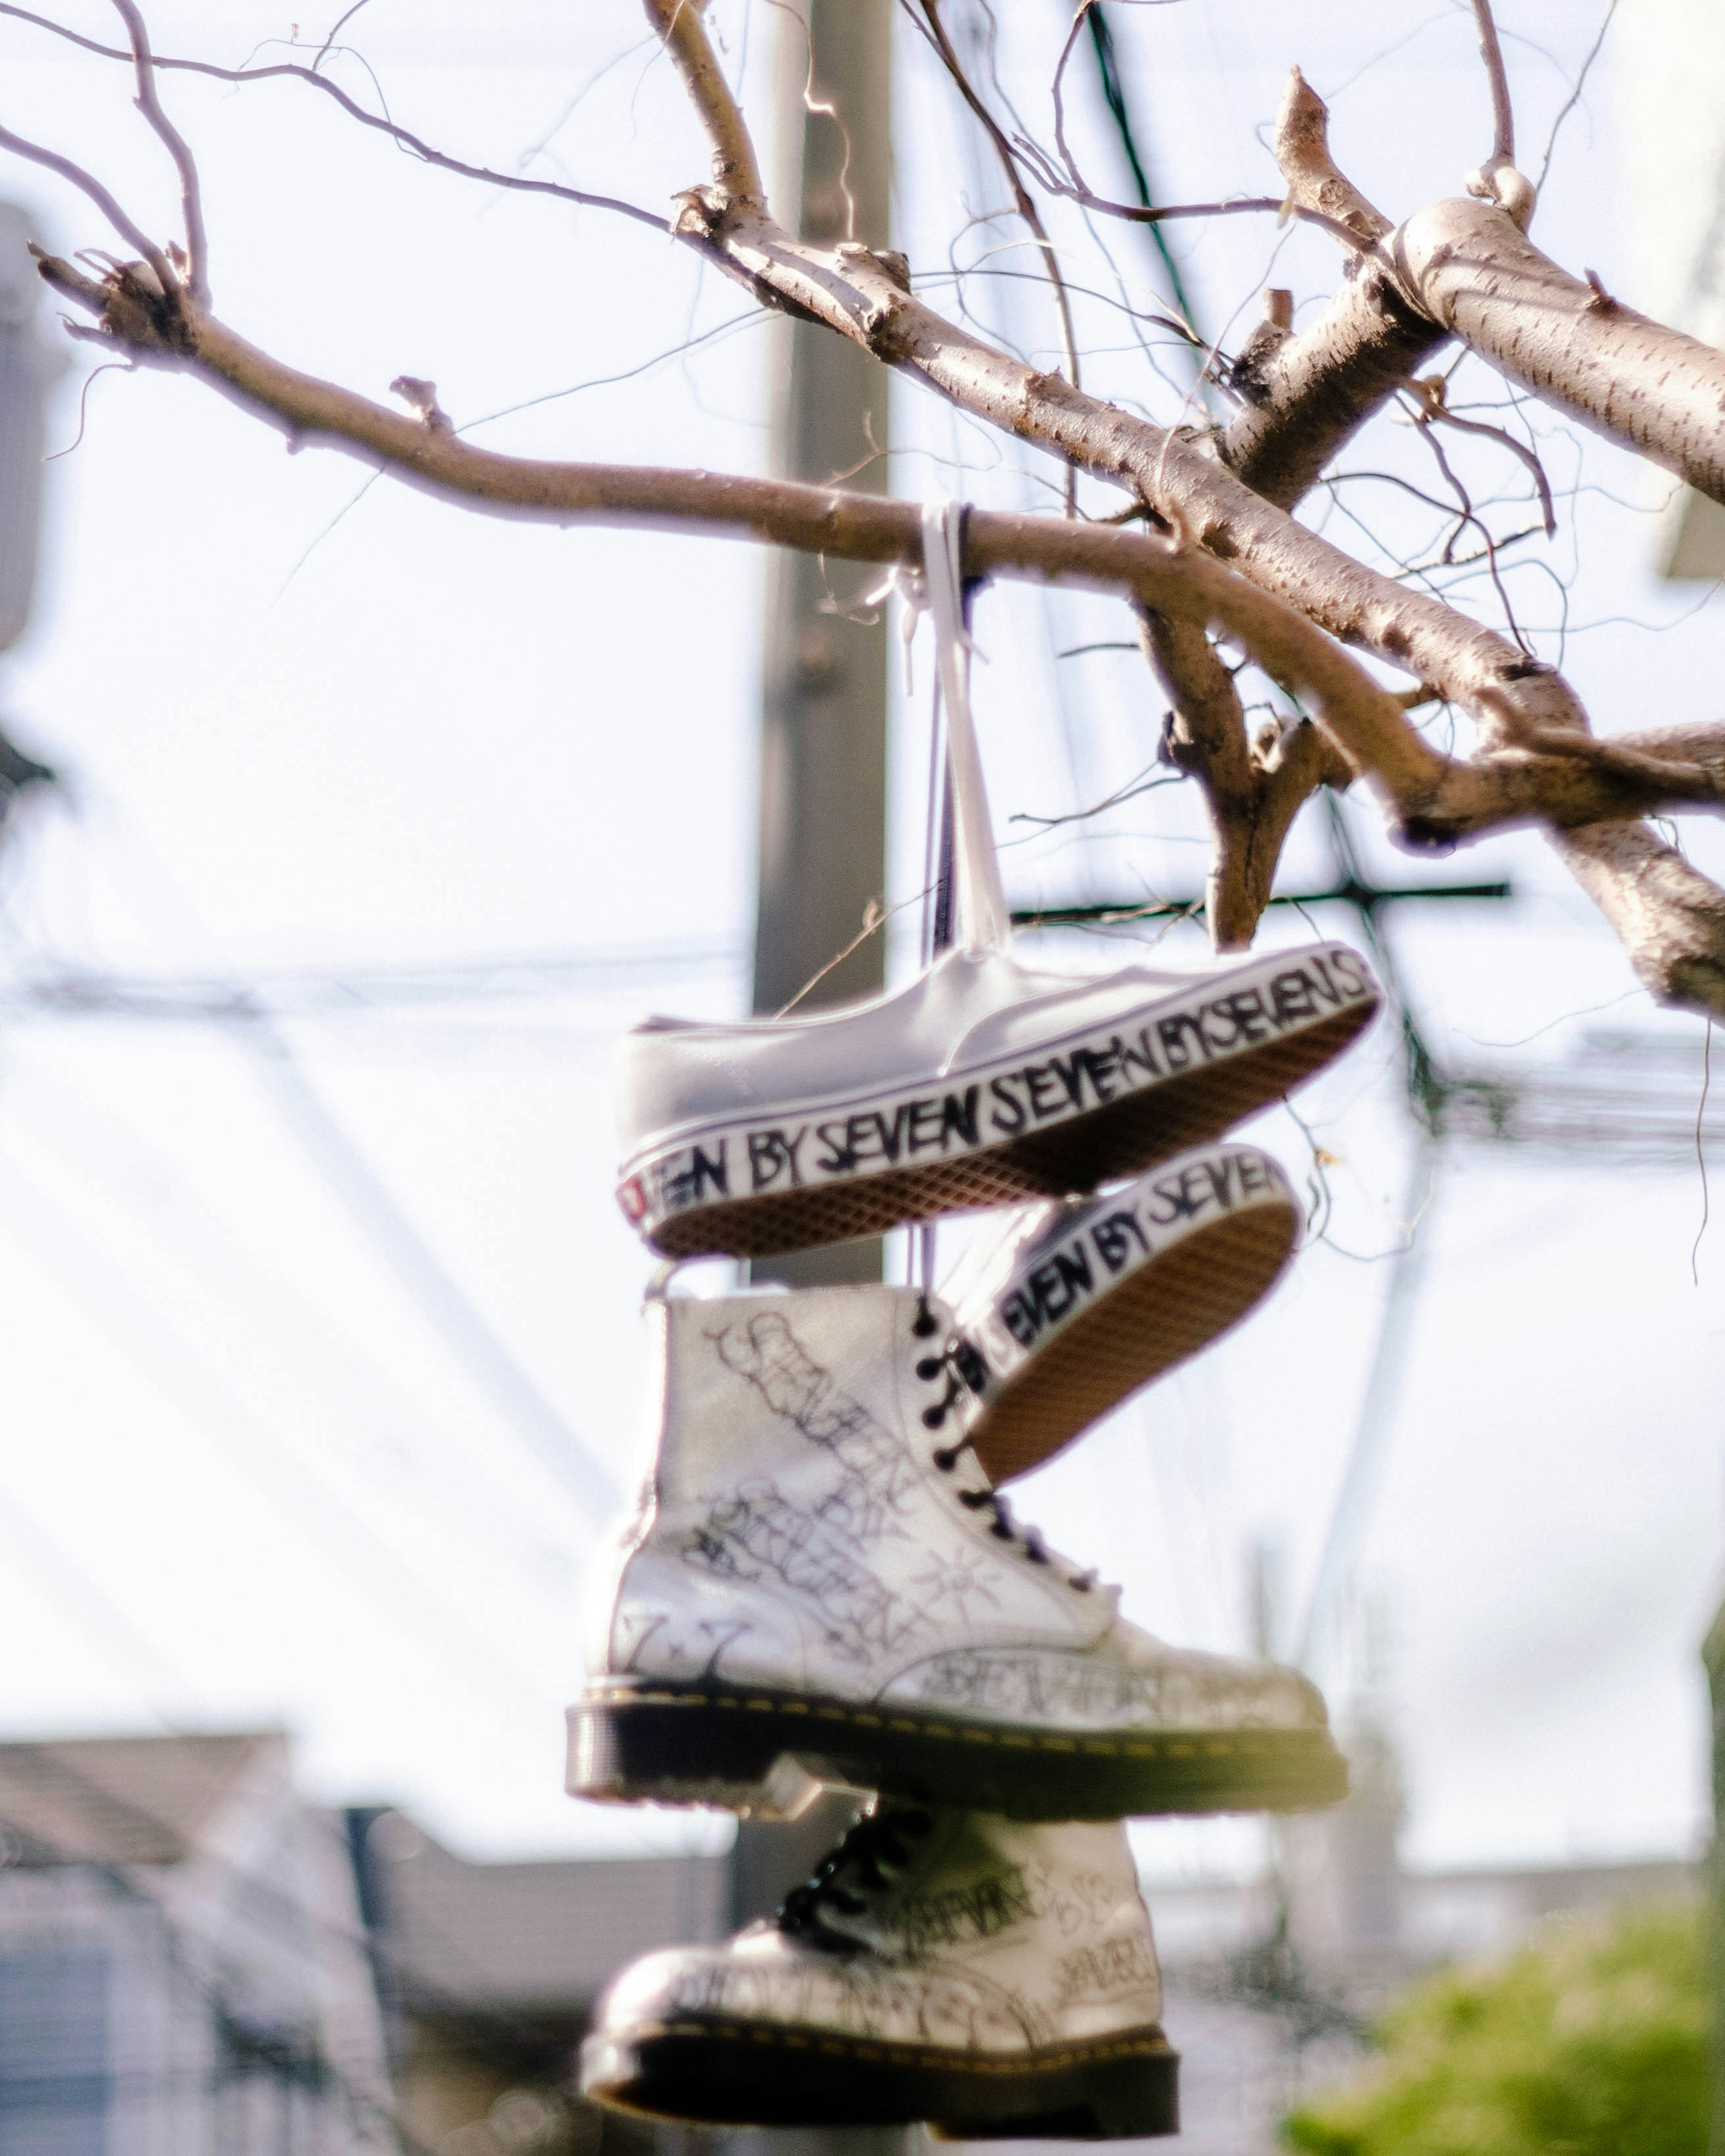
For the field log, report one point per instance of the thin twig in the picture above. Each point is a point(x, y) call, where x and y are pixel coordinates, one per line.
point(1503, 123)
point(87, 184)
point(401, 135)
point(1279, 205)
point(1436, 409)
point(191, 195)
point(1023, 203)
point(108, 366)
point(341, 22)
point(1574, 96)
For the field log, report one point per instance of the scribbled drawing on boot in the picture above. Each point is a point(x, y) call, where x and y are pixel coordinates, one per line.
point(824, 1576)
point(988, 1977)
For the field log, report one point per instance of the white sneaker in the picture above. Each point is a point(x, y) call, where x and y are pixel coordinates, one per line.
point(819, 1584)
point(1074, 1305)
point(987, 1979)
point(982, 1084)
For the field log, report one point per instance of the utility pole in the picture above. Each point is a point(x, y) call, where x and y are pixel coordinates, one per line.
point(29, 365)
point(823, 810)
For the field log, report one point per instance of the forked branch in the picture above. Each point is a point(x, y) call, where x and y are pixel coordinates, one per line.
point(1226, 560)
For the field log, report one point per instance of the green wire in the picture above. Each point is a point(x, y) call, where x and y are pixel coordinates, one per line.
point(1113, 91)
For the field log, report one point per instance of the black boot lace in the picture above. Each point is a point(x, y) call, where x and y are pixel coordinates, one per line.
point(961, 1368)
point(847, 1877)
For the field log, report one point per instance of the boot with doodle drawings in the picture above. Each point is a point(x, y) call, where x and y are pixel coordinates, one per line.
point(821, 1585)
point(972, 1974)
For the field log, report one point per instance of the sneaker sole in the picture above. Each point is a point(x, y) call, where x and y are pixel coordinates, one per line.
point(748, 2073)
point(1135, 1131)
point(1174, 1304)
point(750, 1750)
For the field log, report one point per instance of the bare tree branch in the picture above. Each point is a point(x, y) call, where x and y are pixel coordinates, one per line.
point(1251, 795)
point(1310, 393)
point(736, 171)
point(1669, 917)
point(1503, 123)
point(87, 184)
point(1231, 563)
point(1468, 266)
point(1539, 765)
point(1301, 148)
point(190, 196)
point(935, 30)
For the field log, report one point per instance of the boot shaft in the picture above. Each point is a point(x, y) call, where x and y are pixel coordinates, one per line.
point(811, 1512)
point(1050, 1913)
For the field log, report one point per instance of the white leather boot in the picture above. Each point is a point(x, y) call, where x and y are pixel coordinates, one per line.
point(819, 1583)
point(1073, 1306)
point(988, 1979)
point(983, 1083)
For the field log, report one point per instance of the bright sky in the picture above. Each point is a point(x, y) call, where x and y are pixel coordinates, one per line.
point(328, 745)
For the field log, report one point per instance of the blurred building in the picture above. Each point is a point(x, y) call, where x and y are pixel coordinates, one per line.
point(195, 1962)
point(182, 1966)
point(1669, 60)
point(488, 1974)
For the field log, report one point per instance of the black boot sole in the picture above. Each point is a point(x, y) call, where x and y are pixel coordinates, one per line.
point(724, 2073)
point(750, 1750)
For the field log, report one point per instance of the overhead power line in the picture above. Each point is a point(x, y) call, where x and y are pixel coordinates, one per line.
point(372, 1564)
point(459, 1324)
point(1101, 38)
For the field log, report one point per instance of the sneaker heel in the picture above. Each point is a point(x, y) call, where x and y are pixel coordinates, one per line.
point(634, 1751)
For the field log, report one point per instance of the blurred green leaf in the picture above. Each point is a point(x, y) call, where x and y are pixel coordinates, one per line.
point(1593, 2041)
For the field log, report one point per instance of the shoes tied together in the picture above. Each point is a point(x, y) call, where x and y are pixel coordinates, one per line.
point(823, 1585)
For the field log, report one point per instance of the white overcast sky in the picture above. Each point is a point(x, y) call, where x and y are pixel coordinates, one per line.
point(312, 736)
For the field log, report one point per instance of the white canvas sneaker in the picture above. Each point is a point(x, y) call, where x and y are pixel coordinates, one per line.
point(987, 1978)
point(983, 1083)
point(818, 1584)
point(1072, 1306)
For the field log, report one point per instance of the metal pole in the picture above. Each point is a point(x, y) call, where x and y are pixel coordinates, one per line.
point(823, 809)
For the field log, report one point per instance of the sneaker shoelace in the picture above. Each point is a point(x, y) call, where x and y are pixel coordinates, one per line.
point(957, 1364)
point(849, 1877)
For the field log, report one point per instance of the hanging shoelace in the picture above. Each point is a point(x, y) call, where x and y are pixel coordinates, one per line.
point(848, 1877)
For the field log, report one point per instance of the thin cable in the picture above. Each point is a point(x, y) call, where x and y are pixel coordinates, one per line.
point(1376, 1421)
point(62, 1582)
point(324, 1517)
point(458, 1324)
point(1114, 96)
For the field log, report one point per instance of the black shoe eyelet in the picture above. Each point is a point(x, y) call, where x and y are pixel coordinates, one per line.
point(929, 1366)
point(925, 1323)
point(947, 1459)
point(932, 1417)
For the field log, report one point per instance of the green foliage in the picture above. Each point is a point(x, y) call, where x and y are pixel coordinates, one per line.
point(1592, 2042)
